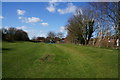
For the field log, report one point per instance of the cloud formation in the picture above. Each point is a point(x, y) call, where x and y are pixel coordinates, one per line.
point(22, 27)
point(62, 29)
point(20, 12)
point(32, 19)
point(51, 7)
point(1, 17)
point(56, 0)
point(69, 9)
point(29, 19)
point(44, 24)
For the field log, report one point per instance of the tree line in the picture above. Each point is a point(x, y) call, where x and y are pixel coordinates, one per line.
point(12, 34)
point(52, 37)
point(100, 21)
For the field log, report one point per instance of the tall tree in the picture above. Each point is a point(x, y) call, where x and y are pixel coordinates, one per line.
point(51, 35)
point(13, 34)
point(81, 26)
point(60, 35)
point(21, 35)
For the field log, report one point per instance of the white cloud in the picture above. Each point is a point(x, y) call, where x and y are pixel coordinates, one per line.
point(30, 19)
point(22, 27)
point(51, 7)
point(19, 17)
point(69, 9)
point(1, 17)
point(62, 29)
point(20, 12)
point(23, 19)
point(57, 1)
point(44, 24)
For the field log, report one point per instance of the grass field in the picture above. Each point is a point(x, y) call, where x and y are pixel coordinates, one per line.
point(40, 60)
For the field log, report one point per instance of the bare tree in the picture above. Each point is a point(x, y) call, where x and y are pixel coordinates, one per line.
point(60, 35)
point(51, 35)
point(109, 14)
point(81, 26)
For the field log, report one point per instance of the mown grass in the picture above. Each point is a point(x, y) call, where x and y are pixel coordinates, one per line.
point(40, 60)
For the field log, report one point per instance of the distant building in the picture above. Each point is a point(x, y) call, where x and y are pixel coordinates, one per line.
point(40, 39)
point(107, 41)
point(50, 40)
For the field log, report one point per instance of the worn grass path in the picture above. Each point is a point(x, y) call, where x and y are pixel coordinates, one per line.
point(40, 60)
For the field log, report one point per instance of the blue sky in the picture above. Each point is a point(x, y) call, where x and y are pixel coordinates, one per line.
point(38, 18)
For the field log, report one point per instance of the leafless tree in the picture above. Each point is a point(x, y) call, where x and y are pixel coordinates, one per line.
point(80, 26)
point(60, 35)
point(51, 35)
point(109, 17)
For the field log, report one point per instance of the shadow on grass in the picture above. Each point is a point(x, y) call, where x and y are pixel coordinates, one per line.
point(6, 49)
point(3, 50)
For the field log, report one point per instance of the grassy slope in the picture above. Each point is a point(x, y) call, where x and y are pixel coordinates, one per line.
point(22, 59)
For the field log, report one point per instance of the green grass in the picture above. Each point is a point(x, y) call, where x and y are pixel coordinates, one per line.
point(28, 60)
